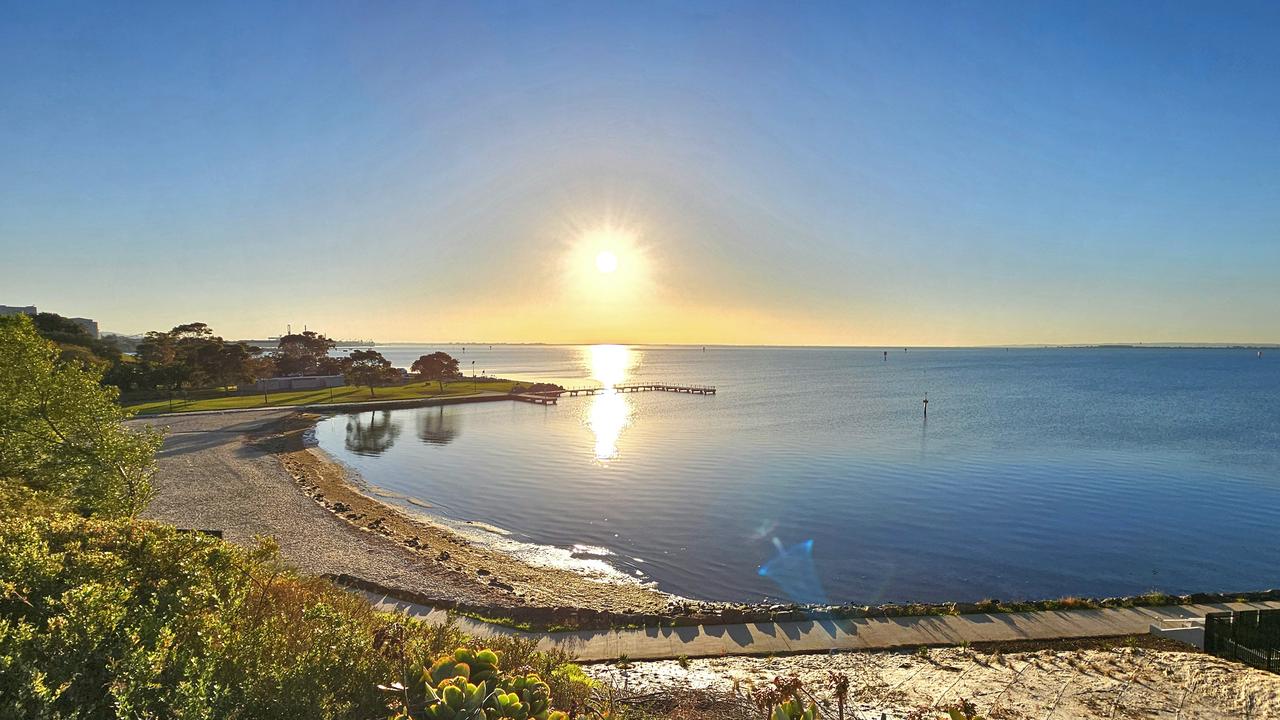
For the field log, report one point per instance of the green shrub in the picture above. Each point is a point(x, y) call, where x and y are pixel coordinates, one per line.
point(60, 430)
point(469, 685)
point(104, 616)
point(119, 618)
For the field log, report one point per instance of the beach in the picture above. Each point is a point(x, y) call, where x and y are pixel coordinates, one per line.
point(251, 474)
point(1094, 680)
point(248, 474)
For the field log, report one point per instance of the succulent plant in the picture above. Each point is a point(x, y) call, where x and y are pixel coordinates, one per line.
point(470, 686)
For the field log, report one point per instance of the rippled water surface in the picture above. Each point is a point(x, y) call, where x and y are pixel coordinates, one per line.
point(814, 476)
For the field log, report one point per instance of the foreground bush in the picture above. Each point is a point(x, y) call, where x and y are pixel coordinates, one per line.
point(470, 685)
point(60, 430)
point(119, 618)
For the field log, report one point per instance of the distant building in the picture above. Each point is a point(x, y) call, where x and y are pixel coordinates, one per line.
point(90, 326)
point(302, 382)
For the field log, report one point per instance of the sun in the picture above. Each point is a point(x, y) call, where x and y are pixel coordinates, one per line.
point(606, 262)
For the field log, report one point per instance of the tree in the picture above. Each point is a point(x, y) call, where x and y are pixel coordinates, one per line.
point(199, 351)
point(233, 364)
point(330, 365)
point(159, 351)
point(61, 431)
point(302, 353)
point(438, 366)
point(368, 367)
point(187, 354)
point(71, 336)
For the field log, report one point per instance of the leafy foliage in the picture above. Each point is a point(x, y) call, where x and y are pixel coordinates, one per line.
point(117, 618)
point(60, 430)
point(192, 355)
point(369, 368)
point(74, 339)
point(469, 685)
point(107, 616)
point(439, 366)
point(305, 353)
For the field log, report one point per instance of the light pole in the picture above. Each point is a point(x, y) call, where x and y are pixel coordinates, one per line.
point(473, 376)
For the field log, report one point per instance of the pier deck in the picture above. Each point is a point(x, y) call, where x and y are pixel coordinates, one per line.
point(642, 387)
point(536, 398)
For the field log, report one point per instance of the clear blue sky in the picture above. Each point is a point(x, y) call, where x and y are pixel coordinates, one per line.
point(853, 173)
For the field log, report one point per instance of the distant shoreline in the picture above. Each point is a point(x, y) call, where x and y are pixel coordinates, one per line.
point(876, 348)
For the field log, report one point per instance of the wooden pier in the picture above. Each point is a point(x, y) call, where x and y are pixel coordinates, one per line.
point(536, 398)
point(642, 387)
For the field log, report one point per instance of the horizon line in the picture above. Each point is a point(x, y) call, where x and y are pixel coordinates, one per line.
point(1170, 344)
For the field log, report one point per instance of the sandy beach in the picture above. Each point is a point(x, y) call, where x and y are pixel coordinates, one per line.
point(1137, 678)
point(249, 474)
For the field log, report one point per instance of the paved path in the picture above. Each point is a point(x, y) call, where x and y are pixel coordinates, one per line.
point(824, 635)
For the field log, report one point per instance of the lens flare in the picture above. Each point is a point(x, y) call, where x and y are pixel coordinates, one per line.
point(793, 571)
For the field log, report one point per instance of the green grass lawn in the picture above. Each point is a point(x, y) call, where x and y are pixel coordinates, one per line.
point(218, 400)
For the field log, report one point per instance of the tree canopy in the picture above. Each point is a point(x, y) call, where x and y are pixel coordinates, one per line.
point(191, 354)
point(439, 366)
point(369, 368)
point(61, 431)
point(306, 353)
point(74, 340)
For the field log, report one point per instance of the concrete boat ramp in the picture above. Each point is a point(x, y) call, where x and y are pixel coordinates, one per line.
point(834, 634)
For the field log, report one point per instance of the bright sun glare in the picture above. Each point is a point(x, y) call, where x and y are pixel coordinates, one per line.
point(605, 270)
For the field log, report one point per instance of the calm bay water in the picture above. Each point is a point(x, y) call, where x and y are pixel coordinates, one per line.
point(813, 475)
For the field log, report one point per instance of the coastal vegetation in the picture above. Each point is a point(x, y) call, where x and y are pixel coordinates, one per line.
point(60, 432)
point(104, 615)
point(188, 367)
point(73, 340)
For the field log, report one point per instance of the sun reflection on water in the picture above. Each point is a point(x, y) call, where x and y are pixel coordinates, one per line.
point(610, 411)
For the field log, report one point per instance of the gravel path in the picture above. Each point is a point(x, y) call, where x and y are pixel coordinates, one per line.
point(211, 477)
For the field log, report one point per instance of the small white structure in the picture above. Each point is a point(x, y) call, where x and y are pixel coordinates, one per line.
point(300, 382)
point(1184, 630)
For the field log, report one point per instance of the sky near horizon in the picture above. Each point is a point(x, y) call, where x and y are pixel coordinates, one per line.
point(890, 173)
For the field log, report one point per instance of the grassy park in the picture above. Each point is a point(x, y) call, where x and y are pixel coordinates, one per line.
point(217, 399)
